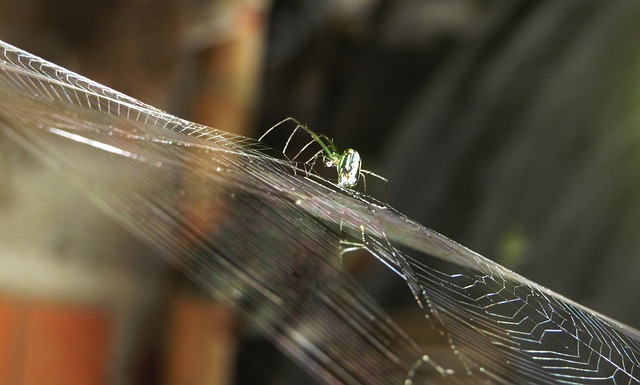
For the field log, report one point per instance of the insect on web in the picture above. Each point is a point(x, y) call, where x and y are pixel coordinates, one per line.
point(348, 163)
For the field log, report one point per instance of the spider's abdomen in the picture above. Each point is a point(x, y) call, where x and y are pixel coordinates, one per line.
point(349, 168)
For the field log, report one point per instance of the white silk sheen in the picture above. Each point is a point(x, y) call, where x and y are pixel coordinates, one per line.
point(270, 238)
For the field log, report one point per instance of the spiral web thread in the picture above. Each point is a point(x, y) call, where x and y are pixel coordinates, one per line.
point(267, 240)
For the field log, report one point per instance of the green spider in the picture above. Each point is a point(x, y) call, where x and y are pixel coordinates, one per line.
point(348, 164)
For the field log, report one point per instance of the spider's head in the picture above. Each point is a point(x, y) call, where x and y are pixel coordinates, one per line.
point(348, 165)
point(330, 161)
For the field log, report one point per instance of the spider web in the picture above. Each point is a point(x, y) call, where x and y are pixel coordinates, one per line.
point(268, 238)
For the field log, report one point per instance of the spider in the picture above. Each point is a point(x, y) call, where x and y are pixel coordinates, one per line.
point(348, 164)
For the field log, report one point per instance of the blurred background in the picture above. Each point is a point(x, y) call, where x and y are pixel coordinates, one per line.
point(510, 126)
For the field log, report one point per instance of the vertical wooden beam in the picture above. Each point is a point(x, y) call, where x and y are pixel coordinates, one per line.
point(203, 341)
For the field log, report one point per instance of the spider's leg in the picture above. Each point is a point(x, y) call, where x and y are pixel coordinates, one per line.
point(312, 160)
point(364, 181)
point(287, 119)
point(325, 143)
point(328, 147)
point(375, 175)
point(286, 145)
point(351, 246)
point(385, 180)
point(329, 141)
point(304, 148)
